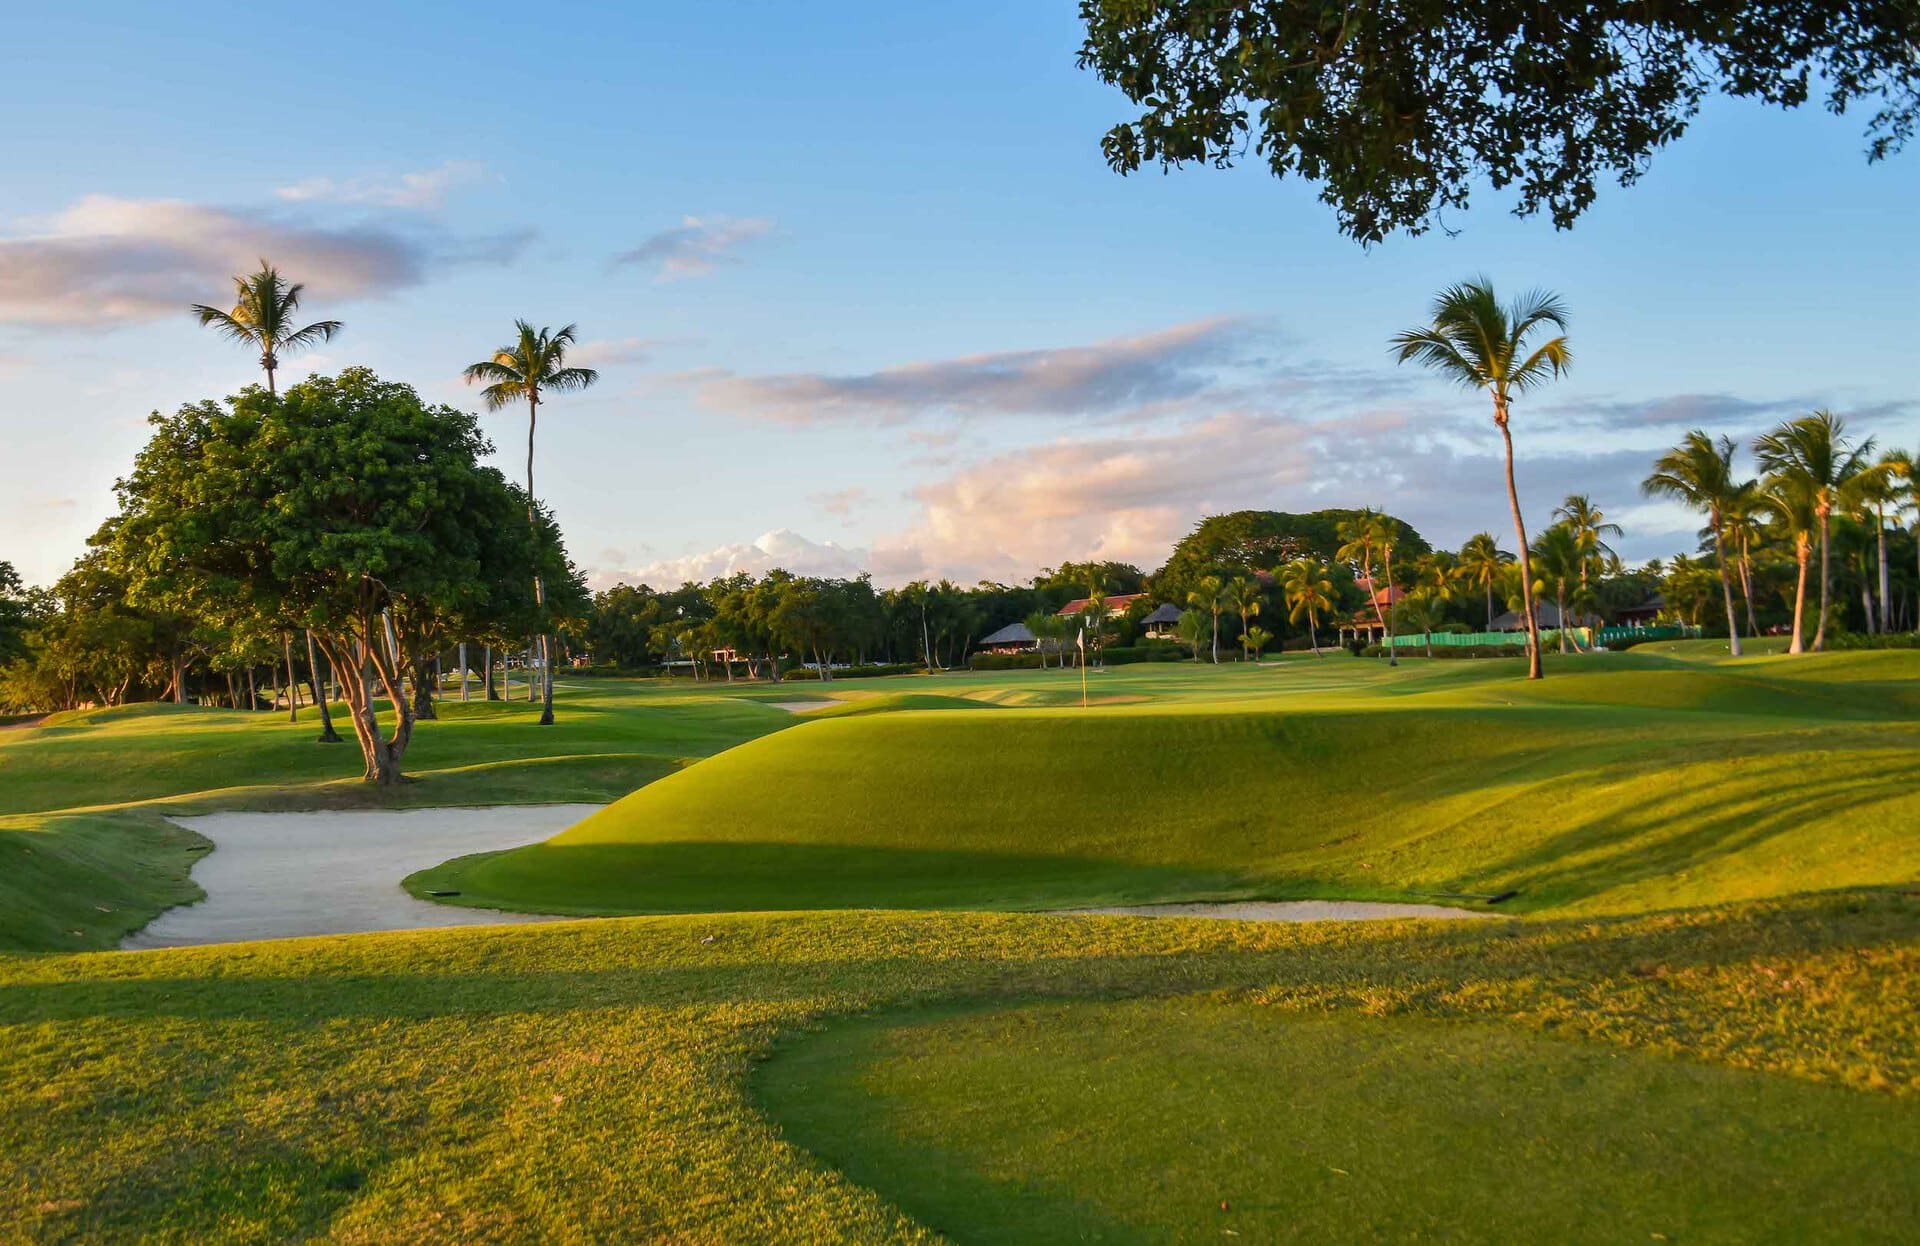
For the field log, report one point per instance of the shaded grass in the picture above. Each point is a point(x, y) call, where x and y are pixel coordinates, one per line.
point(1190, 1118)
point(591, 1080)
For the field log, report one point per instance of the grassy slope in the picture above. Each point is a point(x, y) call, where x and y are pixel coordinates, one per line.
point(1623, 782)
point(591, 1081)
point(999, 1126)
point(84, 859)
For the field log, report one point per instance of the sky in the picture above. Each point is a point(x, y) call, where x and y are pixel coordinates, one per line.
point(861, 291)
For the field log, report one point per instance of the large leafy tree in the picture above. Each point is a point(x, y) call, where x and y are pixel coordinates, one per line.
point(1480, 343)
point(1396, 111)
point(1699, 473)
point(1811, 457)
point(264, 316)
point(524, 370)
point(348, 507)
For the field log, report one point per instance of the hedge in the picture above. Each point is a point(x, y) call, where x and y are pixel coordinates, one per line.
point(867, 671)
point(1451, 651)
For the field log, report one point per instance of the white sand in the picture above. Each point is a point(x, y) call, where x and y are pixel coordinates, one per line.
point(799, 707)
point(1288, 910)
point(276, 875)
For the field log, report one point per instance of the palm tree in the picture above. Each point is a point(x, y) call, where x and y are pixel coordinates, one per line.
point(1309, 593)
point(1418, 611)
point(1902, 465)
point(1743, 520)
point(1359, 535)
point(1484, 345)
point(1590, 529)
point(1258, 638)
point(1869, 497)
point(1210, 595)
point(1482, 564)
point(1813, 454)
point(1243, 594)
point(524, 369)
point(1699, 472)
point(1790, 506)
point(1558, 557)
point(263, 312)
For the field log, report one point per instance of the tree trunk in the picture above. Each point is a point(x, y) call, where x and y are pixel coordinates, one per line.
point(293, 685)
point(463, 671)
point(1802, 551)
point(1726, 587)
point(179, 677)
point(233, 696)
point(1880, 531)
point(1216, 641)
point(327, 734)
point(1560, 605)
point(486, 674)
point(1534, 665)
point(1746, 586)
point(1386, 617)
point(1820, 627)
point(253, 695)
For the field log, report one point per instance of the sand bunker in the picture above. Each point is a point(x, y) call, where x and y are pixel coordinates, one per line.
point(277, 875)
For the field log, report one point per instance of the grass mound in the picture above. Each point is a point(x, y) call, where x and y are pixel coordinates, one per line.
point(1191, 1119)
point(1649, 784)
point(86, 881)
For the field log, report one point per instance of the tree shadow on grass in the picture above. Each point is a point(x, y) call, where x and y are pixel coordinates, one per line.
point(857, 961)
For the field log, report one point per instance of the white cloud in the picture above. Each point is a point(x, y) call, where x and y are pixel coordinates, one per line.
point(696, 246)
point(601, 352)
point(1114, 375)
point(425, 189)
point(106, 261)
point(782, 548)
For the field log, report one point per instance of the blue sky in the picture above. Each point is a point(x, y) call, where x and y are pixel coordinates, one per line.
point(860, 288)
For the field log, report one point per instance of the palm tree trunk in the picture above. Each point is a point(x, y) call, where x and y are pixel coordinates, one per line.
point(1313, 636)
point(1489, 604)
point(1746, 586)
point(1216, 639)
point(1880, 525)
point(1726, 586)
point(1534, 670)
point(1820, 627)
point(1560, 605)
point(1386, 618)
point(1802, 551)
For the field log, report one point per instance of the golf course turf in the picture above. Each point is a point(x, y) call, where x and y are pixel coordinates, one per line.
point(1701, 1025)
point(1627, 782)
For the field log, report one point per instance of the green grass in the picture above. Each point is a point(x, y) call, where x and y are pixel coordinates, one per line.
point(595, 1081)
point(1187, 1119)
point(1624, 782)
point(86, 859)
point(804, 1076)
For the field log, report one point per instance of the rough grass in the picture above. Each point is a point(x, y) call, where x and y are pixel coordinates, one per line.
point(591, 1081)
point(1624, 782)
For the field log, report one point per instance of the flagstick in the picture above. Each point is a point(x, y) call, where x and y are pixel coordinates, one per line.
point(1083, 665)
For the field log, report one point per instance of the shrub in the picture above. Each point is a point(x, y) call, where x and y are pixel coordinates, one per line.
point(1449, 651)
point(1005, 662)
point(866, 671)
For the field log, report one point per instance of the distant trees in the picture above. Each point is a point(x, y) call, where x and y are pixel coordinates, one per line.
point(1480, 343)
point(1482, 564)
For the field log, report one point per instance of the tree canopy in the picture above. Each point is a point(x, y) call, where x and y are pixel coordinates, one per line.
point(347, 507)
point(1396, 110)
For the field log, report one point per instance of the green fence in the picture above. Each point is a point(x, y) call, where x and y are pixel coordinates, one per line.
point(1548, 636)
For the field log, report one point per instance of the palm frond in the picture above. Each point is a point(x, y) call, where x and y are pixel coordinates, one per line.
point(318, 331)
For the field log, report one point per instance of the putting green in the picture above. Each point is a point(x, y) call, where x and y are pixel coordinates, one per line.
point(1622, 783)
point(1193, 1120)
